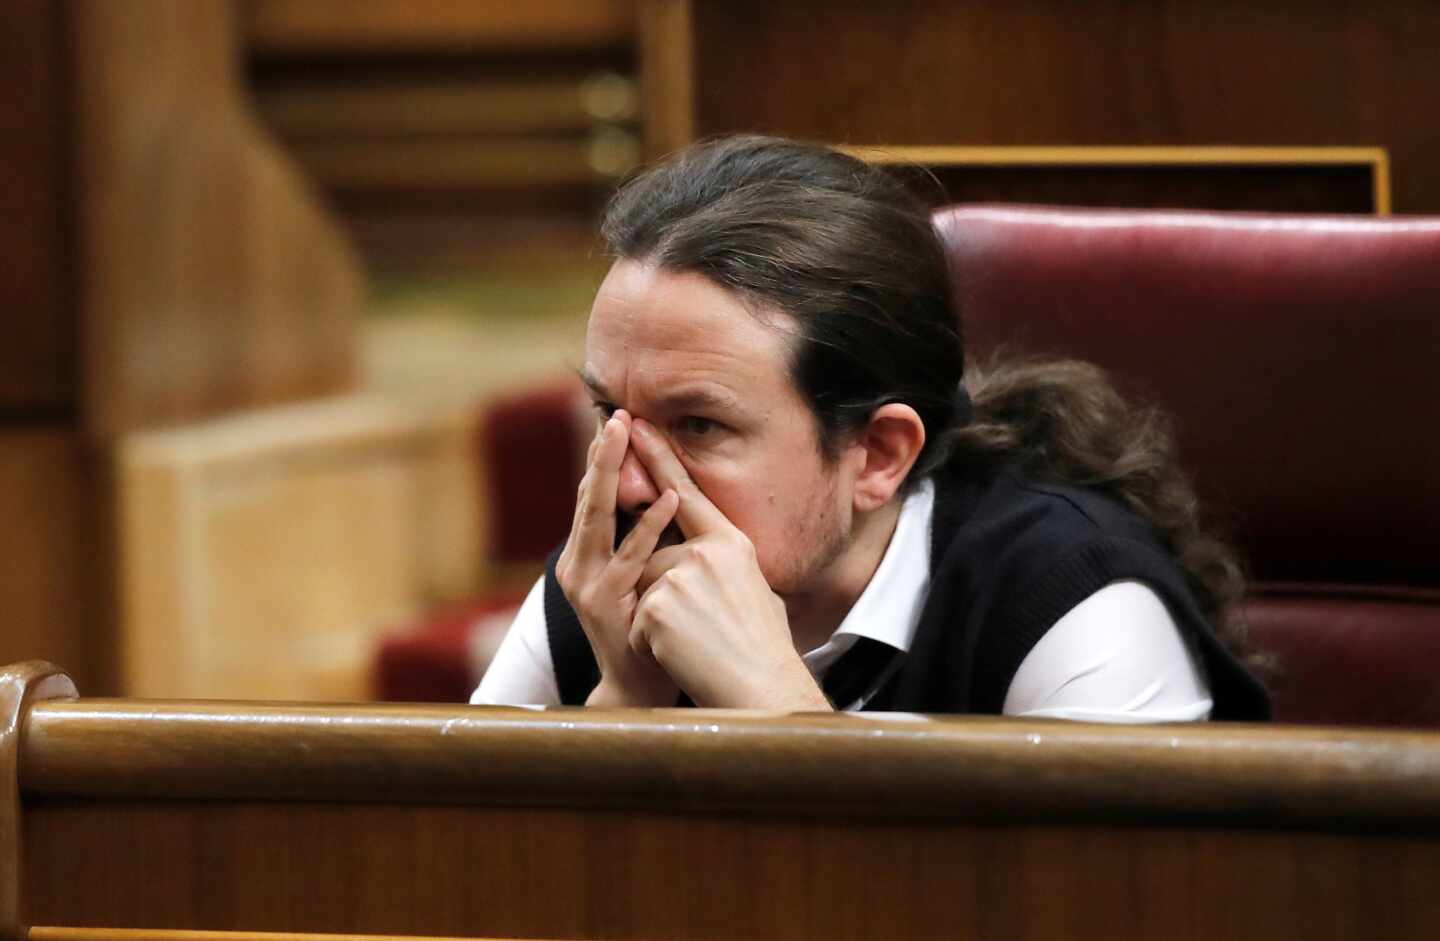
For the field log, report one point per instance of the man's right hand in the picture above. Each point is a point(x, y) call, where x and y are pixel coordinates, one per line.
point(599, 580)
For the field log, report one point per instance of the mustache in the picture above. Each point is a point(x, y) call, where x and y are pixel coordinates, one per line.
point(624, 523)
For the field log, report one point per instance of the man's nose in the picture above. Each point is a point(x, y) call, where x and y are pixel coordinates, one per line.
point(636, 490)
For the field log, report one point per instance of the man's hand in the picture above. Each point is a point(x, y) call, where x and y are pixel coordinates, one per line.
point(706, 613)
point(600, 581)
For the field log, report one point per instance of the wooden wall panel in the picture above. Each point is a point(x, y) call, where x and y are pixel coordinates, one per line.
point(668, 74)
point(1044, 72)
point(263, 555)
point(340, 27)
point(210, 278)
point(50, 539)
point(438, 129)
point(161, 262)
point(37, 357)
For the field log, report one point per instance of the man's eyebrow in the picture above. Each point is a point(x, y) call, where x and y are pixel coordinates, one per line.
point(685, 400)
point(681, 400)
point(589, 380)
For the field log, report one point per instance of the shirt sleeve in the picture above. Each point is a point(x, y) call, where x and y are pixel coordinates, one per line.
point(522, 673)
point(1117, 656)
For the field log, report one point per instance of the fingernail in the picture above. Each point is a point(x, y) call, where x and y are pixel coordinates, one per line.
point(640, 426)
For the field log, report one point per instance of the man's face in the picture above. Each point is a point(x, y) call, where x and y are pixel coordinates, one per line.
point(686, 356)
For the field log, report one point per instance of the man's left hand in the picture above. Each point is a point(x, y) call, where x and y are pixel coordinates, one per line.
point(706, 612)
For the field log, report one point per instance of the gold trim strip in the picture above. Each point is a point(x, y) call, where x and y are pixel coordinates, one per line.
point(1377, 159)
point(1382, 183)
point(167, 934)
point(1125, 156)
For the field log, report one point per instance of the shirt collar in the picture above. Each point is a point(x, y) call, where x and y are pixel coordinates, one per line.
point(888, 610)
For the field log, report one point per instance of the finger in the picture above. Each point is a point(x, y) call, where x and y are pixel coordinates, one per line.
point(639, 643)
point(641, 627)
point(599, 436)
point(594, 528)
point(584, 488)
point(640, 542)
point(657, 565)
point(696, 514)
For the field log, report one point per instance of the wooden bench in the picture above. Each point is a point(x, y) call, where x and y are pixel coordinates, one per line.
point(180, 818)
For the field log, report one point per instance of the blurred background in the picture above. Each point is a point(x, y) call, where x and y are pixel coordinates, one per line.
point(290, 288)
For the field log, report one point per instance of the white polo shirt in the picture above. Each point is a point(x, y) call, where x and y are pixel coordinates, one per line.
point(1117, 656)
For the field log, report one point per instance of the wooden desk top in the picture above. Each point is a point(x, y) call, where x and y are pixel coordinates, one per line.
point(903, 766)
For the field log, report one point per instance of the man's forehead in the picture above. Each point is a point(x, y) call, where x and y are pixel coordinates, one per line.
point(657, 328)
point(673, 307)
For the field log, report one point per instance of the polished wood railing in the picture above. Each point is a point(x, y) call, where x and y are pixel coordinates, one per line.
point(468, 821)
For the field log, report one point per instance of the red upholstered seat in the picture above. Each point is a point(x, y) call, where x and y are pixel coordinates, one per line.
point(529, 449)
point(435, 660)
point(1299, 357)
point(1352, 659)
point(532, 447)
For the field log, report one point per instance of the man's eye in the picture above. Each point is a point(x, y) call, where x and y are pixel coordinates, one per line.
point(697, 427)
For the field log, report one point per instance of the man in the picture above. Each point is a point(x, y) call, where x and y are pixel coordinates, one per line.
point(791, 504)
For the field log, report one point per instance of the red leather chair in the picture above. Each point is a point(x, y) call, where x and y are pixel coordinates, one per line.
point(529, 447)
point(1300, 358)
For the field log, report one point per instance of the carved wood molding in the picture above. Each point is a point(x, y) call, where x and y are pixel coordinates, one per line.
point(21, 684)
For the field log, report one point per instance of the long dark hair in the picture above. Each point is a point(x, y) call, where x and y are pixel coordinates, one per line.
point(849, 253)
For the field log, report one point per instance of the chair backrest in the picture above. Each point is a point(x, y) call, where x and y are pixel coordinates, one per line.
point(1298, 355)
point(530, 450)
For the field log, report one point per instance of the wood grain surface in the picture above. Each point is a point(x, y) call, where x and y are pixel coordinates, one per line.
point(162, 262)
point(50, 511)
point(1050, 73)
point(570, 873)
point(469, 821)
point(21, 684)
point(265, 555)
point(964, 768)
point(37, 359)
point(667, 74)
point(342, 27)
point(209, 277)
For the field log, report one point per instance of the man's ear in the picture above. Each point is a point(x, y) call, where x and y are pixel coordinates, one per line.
point(890, 443)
